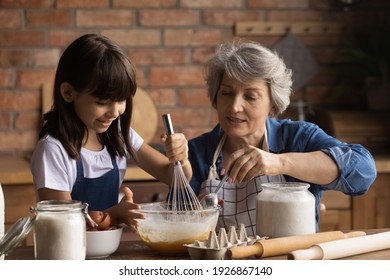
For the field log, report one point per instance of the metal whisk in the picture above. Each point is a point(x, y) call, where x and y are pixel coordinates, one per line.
point(181, 196)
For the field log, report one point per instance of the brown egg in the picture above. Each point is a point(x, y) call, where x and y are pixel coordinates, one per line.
point(97, 216)
point(105, 222)
point(102, 219)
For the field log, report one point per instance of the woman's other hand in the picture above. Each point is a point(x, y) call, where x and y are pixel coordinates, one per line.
point(249, 162)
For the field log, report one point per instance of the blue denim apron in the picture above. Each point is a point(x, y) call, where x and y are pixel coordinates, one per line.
point(100, 193)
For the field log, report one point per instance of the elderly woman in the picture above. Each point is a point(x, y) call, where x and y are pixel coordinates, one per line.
point(249, 85)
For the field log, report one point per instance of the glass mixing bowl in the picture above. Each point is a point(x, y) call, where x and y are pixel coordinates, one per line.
point(166, 231)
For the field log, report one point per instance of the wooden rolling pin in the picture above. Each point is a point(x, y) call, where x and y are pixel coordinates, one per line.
point(284, 245)
point(343, 248)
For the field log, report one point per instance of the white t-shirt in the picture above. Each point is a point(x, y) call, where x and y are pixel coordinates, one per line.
point(53, 168)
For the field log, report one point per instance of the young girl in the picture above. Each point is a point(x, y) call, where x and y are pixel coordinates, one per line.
point(86, 139)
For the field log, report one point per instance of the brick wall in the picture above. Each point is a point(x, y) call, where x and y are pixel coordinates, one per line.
point(169, 40)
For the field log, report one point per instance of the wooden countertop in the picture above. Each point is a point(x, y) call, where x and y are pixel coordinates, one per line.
point(136, 250)
point(15, 170)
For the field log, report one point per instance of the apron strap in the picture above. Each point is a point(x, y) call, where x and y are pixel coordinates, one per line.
point(213, 174)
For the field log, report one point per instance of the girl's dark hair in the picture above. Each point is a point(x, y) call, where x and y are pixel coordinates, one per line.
point(97, 65)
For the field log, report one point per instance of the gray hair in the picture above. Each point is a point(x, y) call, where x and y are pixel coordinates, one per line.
point(246, 61)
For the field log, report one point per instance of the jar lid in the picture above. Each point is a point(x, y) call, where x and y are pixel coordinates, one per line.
point(16, 234)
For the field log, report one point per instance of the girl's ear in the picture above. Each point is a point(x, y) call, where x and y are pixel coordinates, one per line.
point(67, 91)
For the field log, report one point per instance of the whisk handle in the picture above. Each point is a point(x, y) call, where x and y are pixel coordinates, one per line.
point(166, 118)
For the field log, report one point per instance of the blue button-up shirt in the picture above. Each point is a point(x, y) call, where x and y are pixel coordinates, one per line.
point(356, 165)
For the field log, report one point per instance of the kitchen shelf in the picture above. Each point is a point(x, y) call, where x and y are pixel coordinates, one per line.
point(251, 28)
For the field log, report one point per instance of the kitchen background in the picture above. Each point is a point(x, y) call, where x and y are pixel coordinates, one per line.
point(169, 41)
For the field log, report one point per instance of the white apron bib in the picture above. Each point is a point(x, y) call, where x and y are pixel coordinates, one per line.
point(239, 199)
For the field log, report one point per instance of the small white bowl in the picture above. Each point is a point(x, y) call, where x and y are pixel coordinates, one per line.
point(103, 243)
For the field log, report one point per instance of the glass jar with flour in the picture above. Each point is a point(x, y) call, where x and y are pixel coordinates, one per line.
point(60, 230)
point(285, 209)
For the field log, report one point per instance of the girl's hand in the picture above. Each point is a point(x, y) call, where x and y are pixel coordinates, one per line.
point(125, 210)
point(176, 147)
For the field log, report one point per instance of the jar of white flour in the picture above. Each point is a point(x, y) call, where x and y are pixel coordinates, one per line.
point(60, 230)
point(285, 209)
